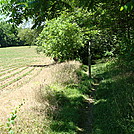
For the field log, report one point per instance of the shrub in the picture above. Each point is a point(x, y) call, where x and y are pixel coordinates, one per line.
point(60, 38)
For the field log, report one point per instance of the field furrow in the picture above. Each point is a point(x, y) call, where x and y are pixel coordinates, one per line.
point(20, 81)
point(9, 73)
point(12, 73)
point(19, 65)
point(13, 77)
point(3, 70)
point(23, 79)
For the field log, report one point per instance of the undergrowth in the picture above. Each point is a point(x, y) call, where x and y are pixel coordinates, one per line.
point(114, 99)
point(63, 105)
point(67, 98)
point(60, 106)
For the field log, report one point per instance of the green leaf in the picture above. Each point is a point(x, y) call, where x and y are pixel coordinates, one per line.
point(12, 122)
point(125, 7)
point(13, 117)
point(8, 124)
point(122, 8)
point(23, 4)
point(132, 7)
point(9, 119)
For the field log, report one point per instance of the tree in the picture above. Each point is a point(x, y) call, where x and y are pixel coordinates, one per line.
point(60, 38)
point(113, 17)
point(38, 10)
point(8, 35)
point(28, 36)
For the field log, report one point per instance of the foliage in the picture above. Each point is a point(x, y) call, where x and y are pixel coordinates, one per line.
point(128, 6)
point(69, 99)
point(113, 107)
point(11, 120)
point(101, 42)
point(8, 35)
point(61, 39)
point(28, 36)
point(39, 10)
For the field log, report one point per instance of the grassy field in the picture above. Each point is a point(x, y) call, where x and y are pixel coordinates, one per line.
point(59, 100)
point(66, 101)
point(18, 56)
point(15, 65)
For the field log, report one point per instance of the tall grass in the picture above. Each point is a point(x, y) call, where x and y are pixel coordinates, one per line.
point(66, 99)
point(60, 105)
point(114, 105)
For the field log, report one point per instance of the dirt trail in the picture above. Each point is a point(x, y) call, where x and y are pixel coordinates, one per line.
point(25, 93)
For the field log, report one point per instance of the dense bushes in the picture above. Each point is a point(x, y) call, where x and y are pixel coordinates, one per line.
point(60, 38)
point(8, 35)
point(67, 37)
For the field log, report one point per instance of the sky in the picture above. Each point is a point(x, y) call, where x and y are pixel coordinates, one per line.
point(25, 24)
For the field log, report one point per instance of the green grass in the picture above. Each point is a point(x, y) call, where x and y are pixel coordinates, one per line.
point(68, 102)
point(17, 56)
point(114, 105)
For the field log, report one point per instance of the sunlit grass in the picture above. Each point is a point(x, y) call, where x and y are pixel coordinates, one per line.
point(18, 56)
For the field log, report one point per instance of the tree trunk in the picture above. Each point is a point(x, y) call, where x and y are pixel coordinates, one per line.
point(89, 59)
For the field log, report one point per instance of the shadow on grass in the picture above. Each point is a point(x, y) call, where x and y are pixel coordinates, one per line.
point(113, 109)
point(74, 109)
point(72, 113)
point(42, 65)
point(68, 115)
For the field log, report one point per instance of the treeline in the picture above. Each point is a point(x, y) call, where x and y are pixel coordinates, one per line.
point(68, 27)
point(8, 35)
point(14, 36)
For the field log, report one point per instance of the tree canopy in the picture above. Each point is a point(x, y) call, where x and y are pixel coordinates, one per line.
point(8, 35)
point(60, 38)
point(40, 10)
point(112, 19)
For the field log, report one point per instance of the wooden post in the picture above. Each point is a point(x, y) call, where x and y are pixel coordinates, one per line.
point(89, 59)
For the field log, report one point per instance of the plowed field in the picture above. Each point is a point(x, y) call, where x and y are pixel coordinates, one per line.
point(21, 70)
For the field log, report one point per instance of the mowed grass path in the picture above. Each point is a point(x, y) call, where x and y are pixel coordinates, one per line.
point(15, 69)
